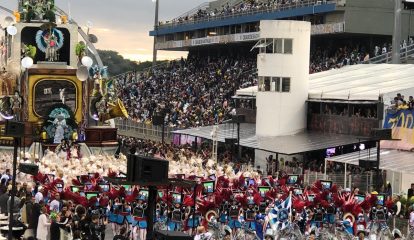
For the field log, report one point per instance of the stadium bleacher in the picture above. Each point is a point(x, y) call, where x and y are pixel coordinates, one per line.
point(198, 91)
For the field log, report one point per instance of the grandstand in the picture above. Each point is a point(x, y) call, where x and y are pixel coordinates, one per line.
point(226, 32)
point(236, 22)
point(200, 91)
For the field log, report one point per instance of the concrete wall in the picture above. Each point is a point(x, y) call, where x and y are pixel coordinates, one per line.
point(334, 17)
point(376, 17)
point(284, 113)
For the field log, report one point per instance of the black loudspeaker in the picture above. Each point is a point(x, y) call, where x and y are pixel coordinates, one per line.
point(169, 235)
point(368, 164)
point(381, 134)
point(380, 111)
point(147, 169)
point(14, 129)
point(157, 120)
point(230, 141)
point(408, 4)
point(29, 168)
point(239, 118)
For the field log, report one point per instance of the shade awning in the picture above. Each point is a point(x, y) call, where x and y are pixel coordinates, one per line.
point(391, 160)
point(289, 145)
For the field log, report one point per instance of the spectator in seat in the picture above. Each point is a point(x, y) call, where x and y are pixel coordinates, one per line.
point(410, 102)
point(410, 191)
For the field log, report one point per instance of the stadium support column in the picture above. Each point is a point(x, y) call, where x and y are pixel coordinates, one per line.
point(396, 37)
point(154, 52)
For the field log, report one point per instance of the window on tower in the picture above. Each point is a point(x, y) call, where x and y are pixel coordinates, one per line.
point(274, 84)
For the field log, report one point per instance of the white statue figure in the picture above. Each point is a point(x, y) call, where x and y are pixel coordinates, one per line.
point(60, 124)
point(51, 47)
point(62, 95)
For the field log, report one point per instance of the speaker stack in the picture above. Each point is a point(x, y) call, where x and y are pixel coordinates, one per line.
point(157, 120)
point(14, 129)
point(28, 168)
point(147, 169)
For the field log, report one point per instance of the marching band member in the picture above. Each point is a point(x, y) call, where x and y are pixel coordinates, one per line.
point(140, 222)
point(235, 211)
point(177, 217)
point(249, 214)
point(193, 220)
point(113, 217)
point(223, 218)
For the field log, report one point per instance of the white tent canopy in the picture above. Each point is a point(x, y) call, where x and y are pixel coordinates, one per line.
point(250, 91)
point(361, 82)
point(357, 82)
point(391, 160)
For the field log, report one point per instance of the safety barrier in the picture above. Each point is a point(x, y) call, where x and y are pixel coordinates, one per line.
point(363, 181)
point(405, 53)
point(130, 128)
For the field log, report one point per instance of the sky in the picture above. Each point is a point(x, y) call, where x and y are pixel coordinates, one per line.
point(123, 25)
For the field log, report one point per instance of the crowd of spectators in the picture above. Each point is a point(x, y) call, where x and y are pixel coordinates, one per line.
point(324, 58)
point(197, 91)
point(170, 151)
point(44, 216)
point(243, 7)
point(401, 103)
point(190, 93)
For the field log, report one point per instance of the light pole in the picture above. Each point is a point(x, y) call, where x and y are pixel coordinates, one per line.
point(154, 50)
point(396, 37)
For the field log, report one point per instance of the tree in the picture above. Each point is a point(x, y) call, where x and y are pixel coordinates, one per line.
point(116, 63)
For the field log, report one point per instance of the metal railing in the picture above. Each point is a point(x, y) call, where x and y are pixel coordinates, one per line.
point(274, 8)
point(202, 6)
point(363, 181)
point(405, 53)
point(130, 128)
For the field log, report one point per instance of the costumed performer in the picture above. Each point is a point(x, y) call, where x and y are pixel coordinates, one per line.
point(114, 217)
point(235, 211)
point(140, 223)
point(177, 217)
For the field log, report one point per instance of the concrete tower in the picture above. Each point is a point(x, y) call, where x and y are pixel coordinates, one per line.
point(283, 69)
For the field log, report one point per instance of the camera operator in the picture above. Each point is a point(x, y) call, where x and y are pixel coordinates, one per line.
point(80, 214)
point(97, 230)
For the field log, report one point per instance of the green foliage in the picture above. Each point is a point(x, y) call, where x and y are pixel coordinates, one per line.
point(80, 49)
point(116, 63)
point(50, 15)
point(142, 66)
point(32, 50)
point(29, 51)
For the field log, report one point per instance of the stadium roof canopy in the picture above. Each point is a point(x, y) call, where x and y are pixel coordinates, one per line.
point(288, 145)
point(391, 160)
point(357, 82)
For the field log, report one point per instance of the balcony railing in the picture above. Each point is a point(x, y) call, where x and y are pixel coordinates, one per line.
point(130, 128)
point(279, 7)
point(405, 53)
